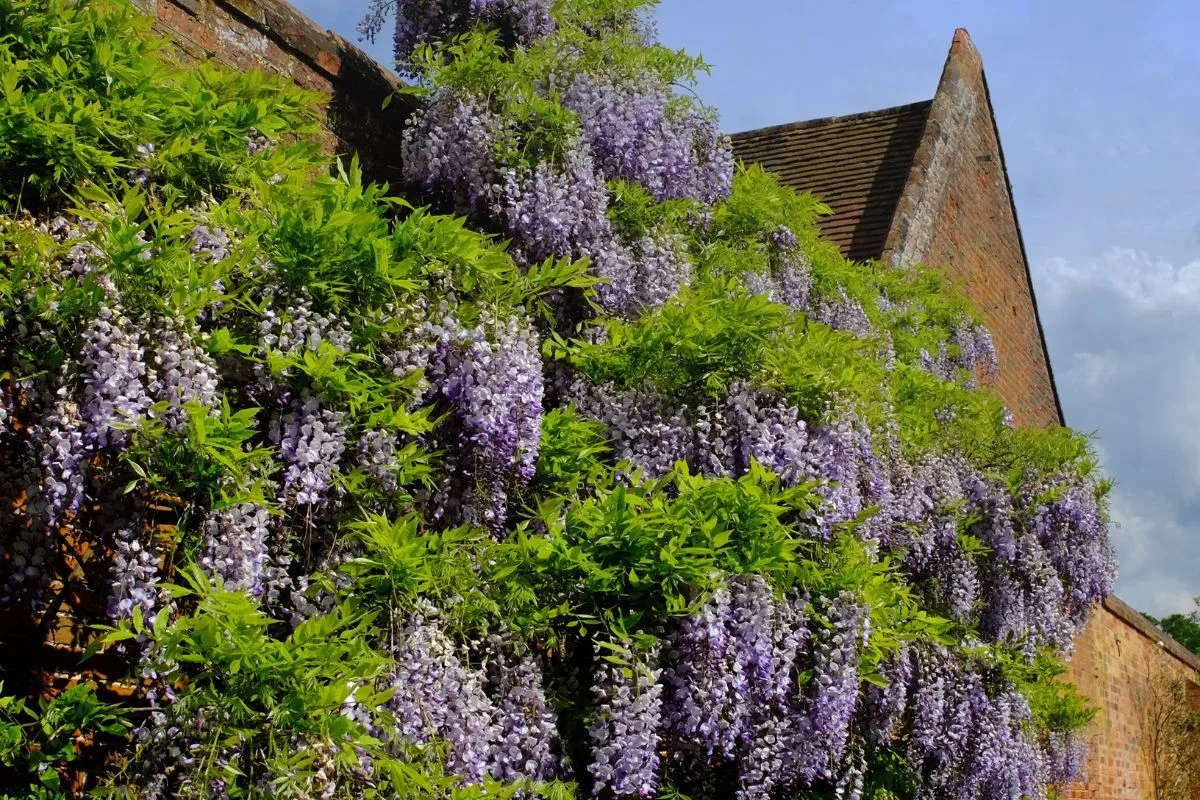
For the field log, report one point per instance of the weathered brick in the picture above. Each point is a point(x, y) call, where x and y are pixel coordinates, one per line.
point(956, 214)
point(183, 25)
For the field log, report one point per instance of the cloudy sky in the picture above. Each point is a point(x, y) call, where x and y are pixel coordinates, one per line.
point(1098, 104)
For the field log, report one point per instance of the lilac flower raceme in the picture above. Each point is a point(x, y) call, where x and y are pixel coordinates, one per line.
point(1066, 755)
point(134, 574)
point(114, 376)
point(643, 427)
point(844, 314)
point(555, 210)
point(967, 738)
point(210, 244)
point(789, 280)
point(62, 454)
point(769, 431)
point(832, 695)
point(645, 275)
point(647, 429)
point(624, 728)
point(184, 373)
point(312, 438)
point(884, 707)
point(236, 547)
point(634, 133)
point(449, 152)
point(437, 696)
point(751, 623)
point(970, 349)
point(706, 695)
point(491, 377)
point(1071, 529)
point(841, 454)
point(526, 736)
point(769, 755)
point(376, 452)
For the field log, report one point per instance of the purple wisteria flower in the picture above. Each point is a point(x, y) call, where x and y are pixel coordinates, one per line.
point(822, 734)
point(236, 547)
point(312, 438)
point(183, 374)
point(114, 377)
point(624, 728)
point(635, 133)
point(437, 696)
point(134, 574)
point(526, 735)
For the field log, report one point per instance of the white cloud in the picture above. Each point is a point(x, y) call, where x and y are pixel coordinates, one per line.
point(1123, 331)
point(1147, 283)
point(1093, 370)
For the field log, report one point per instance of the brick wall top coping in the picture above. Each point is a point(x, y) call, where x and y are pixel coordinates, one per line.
point(321, 49)
point(1122, 611)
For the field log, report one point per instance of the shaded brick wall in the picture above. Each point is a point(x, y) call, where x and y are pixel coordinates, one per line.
point(956, 214)
point(1116, 661)
point(272, 36)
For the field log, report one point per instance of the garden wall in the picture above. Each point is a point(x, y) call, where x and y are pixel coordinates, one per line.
point(1120, 650)
point(1121, 662)
point(274, 37)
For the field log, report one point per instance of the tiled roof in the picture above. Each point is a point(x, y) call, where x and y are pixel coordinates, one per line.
point(857, 164)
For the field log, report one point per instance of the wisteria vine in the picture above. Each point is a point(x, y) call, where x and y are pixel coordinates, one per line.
point(620, 481)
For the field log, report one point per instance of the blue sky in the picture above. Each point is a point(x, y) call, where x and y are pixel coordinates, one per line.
point(1098, 105)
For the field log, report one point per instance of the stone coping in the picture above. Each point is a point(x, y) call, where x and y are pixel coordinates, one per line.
point(1134, 619)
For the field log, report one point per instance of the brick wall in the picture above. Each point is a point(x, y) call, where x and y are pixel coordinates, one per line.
point(272, 36)
point(1116, 661)
point(956, 214)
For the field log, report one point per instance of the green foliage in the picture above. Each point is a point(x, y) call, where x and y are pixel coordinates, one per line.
point(1183, 628)
point(1056, 704)
point(84, 86)
point(694, 346)
point(39, 745)
point(258, 694)
point(402, 563)
point(635, 551)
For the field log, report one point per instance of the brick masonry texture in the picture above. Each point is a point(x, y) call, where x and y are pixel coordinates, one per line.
point(1116, 660)
point(955, 212)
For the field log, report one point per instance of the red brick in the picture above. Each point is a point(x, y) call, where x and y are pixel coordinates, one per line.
point(183, 24)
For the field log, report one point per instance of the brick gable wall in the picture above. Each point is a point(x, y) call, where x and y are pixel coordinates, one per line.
point(956, 214)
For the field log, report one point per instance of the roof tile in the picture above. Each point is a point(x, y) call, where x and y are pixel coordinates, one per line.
point(858, 165)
